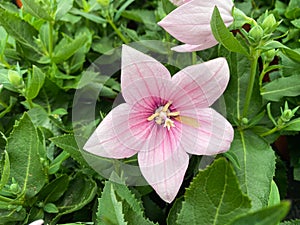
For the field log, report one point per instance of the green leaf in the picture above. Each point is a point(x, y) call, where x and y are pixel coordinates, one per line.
point(51, 208)
point(174, 212)
point(56, 163)
point(23, 150)
point(224, 36)
point(281, 87)
point(69, 144)
point(17, 213)
point(256, 169)
point(80, 192)
point(293, 125)
point(65, 49)
point(213, 197)
point(63, 7)
point(5, 171)
point(19, 29)
point(293, 10)
point(291, 222)
point(274, 197)
point(110, 209)
point(267, 216)
point(35, 83)
point(54, 190)
point(235, 94)
point(37, 9)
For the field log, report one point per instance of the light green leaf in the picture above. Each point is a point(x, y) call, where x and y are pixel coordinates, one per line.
point(51, 208)
point(274, 197)
point(36, 9)
point(256, 166)
point(213, 197)
point(19, 29)
point(23, 150)
point(267, 216)
point(65, 49)
point(110, 209)
point(35, 83)
point(293, 125)
point(224, 36)
point(281, 87)
point(63, 7)
point(5, 171)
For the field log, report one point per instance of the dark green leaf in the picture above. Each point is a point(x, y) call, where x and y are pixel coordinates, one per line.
point(253, 152)
point(17, 213)
point(23, 150)
point(224, 36)
point(267, 216)
point(214, 197)
point(291, 222)
point(281, 87)
point(51, 208)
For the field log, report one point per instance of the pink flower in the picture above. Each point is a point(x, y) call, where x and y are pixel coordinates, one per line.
point(164, 119)
point(190, 23)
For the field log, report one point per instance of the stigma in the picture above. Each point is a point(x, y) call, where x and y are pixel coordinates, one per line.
point(163, 115)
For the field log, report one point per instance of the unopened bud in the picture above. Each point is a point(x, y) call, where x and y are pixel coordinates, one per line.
point(256, 33)
point(268, 56)
point(104, 3)
point(15, 79)
point(269, 24)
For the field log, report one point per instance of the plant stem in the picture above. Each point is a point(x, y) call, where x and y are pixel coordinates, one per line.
point(269, 132)
point(118, 32)
point(254, 59)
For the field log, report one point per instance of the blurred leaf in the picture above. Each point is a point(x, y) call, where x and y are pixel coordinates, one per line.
point(267, 216)
point(89, 16)
point(256, 168)
point(281, 87)
point(291, 222)
point(224, 36)
point(35, 82)
point(16, 213)
point(63, 7)
point(19, 29)
point(65, 49)
point(213, 197)
point(23, 149)
point(37, 9)
point(293, 10)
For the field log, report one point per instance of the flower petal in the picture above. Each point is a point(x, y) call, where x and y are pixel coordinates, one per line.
point(213, 136)
point(164, 167)
point(208, 43)
point(138, 66)
point(179, 2)
point(203, 84)
point(108, 138)
point(190, 22)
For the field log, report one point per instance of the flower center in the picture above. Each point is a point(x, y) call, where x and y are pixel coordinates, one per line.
point(162, 116)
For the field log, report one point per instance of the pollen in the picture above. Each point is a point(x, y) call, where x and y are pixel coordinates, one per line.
point(163, 115)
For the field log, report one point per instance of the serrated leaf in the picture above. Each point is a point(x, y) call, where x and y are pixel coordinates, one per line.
point(23, 150)
point(223, 35)
point(36, 9)
point(19, 29)
point(69, 144)
point(110, 209)
point(65, 49)
point(281, 87)
point(267, 216)
point(35, 82)
point(256, 166)
point(213, 197)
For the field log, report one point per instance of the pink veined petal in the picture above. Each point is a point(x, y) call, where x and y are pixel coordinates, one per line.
point(208, 43)
point(213, 136)
point(138, 66)
point(108, 138)
point(164, 167)
point(190, 22)
point(202, 84)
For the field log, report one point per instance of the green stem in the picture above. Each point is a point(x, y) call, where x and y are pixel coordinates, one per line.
point(275, 129)
point(50, 50)
point(118, 32)
point(253, 70)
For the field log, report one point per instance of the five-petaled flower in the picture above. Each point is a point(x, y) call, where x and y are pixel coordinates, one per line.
point(190, 23)
point(164, 119)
